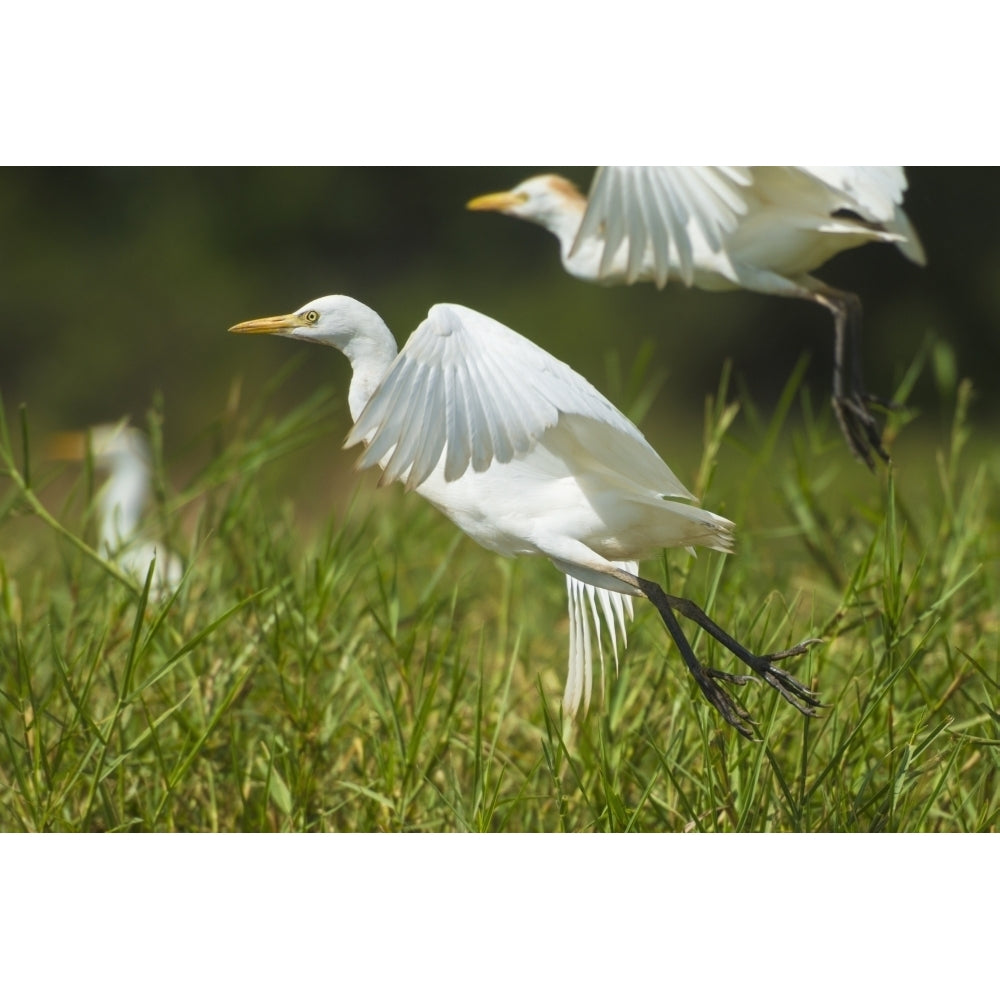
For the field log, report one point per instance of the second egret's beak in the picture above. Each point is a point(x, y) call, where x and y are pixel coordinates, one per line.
point(501, 201)
point(271, 324)
point(66, 446)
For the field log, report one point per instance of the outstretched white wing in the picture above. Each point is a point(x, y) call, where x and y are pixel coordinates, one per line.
point(656, 208)
point(471, 389)
point(876, 194)
point(873, 192)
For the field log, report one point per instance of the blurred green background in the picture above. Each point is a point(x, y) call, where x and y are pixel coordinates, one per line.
point(118, 283)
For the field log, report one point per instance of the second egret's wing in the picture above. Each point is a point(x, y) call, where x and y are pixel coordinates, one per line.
point(872, 192)
point(471, 389)
point(876, 194)
point(656, 208)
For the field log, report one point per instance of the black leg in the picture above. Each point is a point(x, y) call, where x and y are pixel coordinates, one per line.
point(850, 400)
point(763, 666)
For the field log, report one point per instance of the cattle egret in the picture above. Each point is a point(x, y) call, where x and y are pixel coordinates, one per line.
point(719, 228)
point(528, 458)
point(123, 453)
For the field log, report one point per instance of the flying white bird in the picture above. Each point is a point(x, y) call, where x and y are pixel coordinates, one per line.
point(719, 228)
point(123, 453)
point(528, 458)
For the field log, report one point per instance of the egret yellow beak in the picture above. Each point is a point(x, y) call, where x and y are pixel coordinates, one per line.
point(66, 446)
point(501, 201)
point(271, 324)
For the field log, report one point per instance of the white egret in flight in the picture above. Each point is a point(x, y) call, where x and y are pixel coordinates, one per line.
point(123, 453)
point(528, 458)
point(719, 228)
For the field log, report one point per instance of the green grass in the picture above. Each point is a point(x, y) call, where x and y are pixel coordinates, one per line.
point(375, 670)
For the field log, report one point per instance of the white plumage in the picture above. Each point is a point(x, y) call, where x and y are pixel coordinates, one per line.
point(122, 452)
point(717, 228)
point(527, 458)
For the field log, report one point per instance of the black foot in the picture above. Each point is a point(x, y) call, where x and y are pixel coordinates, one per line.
point(734, 713)
point(860, 428)
point(882, 402)
point(795, 693)
point(850, 401)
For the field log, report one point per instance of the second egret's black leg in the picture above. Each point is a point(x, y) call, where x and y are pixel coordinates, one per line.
point(850, 399)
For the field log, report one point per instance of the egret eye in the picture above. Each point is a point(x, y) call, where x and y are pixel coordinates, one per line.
point(311, 317)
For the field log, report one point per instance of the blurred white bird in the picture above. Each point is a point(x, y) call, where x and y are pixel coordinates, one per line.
point(719, 228)
point(123, 453)
point(528, 458)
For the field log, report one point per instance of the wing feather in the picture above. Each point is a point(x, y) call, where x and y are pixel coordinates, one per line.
point(876, 194)
point(658, 210)
point(872, 192)
point(594, 443)
point(406, 448)
point(458, 432)
point(480, 442)
point(470, 390)
point(614, 221)
point(385, 417)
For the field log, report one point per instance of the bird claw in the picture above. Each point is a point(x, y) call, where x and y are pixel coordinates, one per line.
point(859, 428)
point(797, 650)
point(733, 712)
point(882, 403)
point(795, 693)
point(792, 690)
point(738, 679)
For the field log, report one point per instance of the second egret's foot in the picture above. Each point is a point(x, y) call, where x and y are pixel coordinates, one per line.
point(882, 403)
point(860, 428)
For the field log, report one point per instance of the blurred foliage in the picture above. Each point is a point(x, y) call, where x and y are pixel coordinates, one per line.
point(119, 283)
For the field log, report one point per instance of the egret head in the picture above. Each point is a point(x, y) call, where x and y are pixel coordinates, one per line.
point(111, 446)
point(342, 322)
point(335, 320)
point(538, 199)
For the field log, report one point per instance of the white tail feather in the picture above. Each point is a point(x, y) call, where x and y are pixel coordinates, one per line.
point(610, 605)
